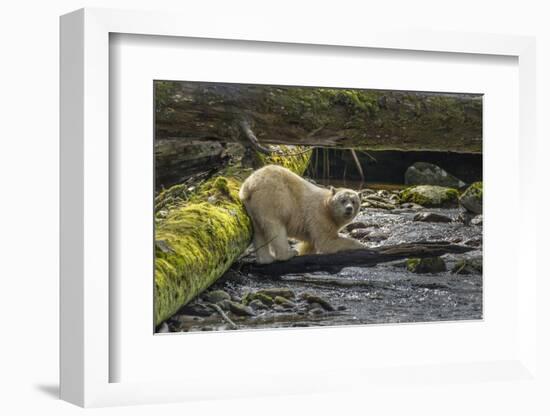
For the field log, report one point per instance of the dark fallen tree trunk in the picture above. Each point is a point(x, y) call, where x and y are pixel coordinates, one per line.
point(366, 119)
point(333, 263)
point(178, 160)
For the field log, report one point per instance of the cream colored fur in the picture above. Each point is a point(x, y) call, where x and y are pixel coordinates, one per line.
point(282, 205)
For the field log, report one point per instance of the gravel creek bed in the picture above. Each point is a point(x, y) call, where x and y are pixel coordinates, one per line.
point(385, 293)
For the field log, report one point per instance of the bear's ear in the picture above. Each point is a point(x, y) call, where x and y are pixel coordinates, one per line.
point(332, 190)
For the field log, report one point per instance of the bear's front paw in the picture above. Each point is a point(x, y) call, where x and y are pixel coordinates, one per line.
point(264, 258)
point(288, 255)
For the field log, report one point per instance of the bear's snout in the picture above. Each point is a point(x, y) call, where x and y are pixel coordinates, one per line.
point(349, 210)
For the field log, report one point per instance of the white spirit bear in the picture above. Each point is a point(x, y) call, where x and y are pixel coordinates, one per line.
point(282, 205)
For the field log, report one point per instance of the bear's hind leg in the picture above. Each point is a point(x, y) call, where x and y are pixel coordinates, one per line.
point(261, 246)
point(277, 235)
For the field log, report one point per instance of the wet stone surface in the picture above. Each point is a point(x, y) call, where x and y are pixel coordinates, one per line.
point(385, 293)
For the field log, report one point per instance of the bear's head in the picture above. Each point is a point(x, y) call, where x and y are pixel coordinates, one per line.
point(344, 205)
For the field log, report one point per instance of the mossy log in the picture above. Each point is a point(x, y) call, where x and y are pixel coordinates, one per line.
point(343, 118)
point(199, 235)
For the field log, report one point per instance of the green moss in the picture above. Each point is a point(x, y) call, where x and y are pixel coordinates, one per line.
point(221, 185)
point(164, 91)
point(426, 265)
point(297, 163)
point(451, 194)
point(412, 264)
point(430, 195)
point(205, 238)
point(477, 189)
point(205, 232)
point(265, 299)
point(172, 197)
point(472, 198)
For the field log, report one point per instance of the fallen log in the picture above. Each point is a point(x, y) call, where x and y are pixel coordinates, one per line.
point(324, 117)
point(177, 160)
point(199, 235)
point(333, 263)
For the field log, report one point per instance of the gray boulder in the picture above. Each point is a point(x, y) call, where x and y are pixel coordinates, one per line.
point(422, 173)
point(472, 198)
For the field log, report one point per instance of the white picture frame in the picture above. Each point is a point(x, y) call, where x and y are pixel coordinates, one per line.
point(85, 182)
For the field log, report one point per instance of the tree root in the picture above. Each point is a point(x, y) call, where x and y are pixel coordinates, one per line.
point(223, 315)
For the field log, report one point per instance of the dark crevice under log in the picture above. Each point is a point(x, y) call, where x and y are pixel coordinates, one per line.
point(333, 263)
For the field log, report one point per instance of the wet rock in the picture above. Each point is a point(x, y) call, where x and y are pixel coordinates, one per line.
point(257, 305)
point(477, 220)
point(431, 217)
point(355, 226)
point(224, 304)
point(314, 305)
point(370, 203)
point(310, 298)
point(472, 265)
point(359, 233)
point(466, 217)
point(277, 291)
point(197, 309)
point(383, 193)
point(432, 285)
point(472, 198)
point(284, 302)
point(216, 296)
point(240, 309)
point(474, 242)
point(426, 265)
point(394, 199)
point(422, 173)
point(341, 308)
point(430, 196)
point(186, 320)
point(375, 296)
point(378, 197)
point(261, 297)
point(163, 329)
point(365, 192)
point(317, 311)
point(412, 206)
point(376, 237)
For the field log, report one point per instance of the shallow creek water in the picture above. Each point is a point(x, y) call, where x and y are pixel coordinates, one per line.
point(385, 293)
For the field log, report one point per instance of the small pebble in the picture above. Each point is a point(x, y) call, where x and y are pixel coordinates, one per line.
point(216, 296)
point(279, 291)
point(317, 311)
point(359, 233)
point(431, 217)
point(163, 328)
point(284, 302)
point(355, 226)
point(257, 305)
point(240, 309)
